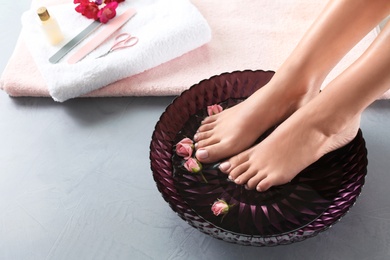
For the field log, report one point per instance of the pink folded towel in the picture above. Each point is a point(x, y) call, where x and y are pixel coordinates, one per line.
point(166, 29)
point(247, 34)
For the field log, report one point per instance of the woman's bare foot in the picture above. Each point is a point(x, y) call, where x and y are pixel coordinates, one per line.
point(329, 121)
point(237, 128)
point(296, 82)
point(298, 142)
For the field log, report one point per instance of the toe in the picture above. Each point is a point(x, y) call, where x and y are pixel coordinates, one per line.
point(238, 159)
point(206, 125)
point(202, 136)
point(255, 179)
point(224, 167)
point(207, 154)
point(206, 143)
point(246, 174)
point(211, 150)
point(265, 184)
point(202, 155)
point(237, 172)
point(209, 119)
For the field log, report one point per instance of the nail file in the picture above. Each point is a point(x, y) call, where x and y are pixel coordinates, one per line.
point(108, 30)
point(74, 42)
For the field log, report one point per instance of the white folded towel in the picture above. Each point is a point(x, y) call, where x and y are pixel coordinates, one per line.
point(166, 29)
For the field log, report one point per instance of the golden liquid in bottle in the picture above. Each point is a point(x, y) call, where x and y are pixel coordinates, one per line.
point(50, 26)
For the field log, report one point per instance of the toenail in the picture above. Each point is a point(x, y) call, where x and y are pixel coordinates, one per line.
point(196, 137)
point(237, 181)
point(230, 178)
point(224, 166)
point(202, 154)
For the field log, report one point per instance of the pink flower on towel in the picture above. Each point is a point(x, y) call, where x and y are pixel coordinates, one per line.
point(88, 9)
point(108, 12)
point(184, 148)
point(214, 109)
point(102, 10)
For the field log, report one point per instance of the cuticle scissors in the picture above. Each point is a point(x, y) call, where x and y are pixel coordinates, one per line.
point(121, 41)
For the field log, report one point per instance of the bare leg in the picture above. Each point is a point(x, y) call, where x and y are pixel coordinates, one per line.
point(327, 122)
point(295, 83)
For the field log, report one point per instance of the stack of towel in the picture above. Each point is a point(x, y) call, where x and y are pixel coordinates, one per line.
point(166, 29)
point(247, 34)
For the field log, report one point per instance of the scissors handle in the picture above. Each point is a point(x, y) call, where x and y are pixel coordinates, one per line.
point(123, 40)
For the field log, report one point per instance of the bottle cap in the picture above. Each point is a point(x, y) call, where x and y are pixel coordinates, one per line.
point(43, 14)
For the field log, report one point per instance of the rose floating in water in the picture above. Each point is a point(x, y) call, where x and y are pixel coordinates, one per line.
point(102, 10)
point(193, 165)
point(214, 109)
point(220, 208)
point(184, 148)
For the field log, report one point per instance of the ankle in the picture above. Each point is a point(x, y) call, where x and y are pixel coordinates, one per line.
point(332, 118)
point(296, 88)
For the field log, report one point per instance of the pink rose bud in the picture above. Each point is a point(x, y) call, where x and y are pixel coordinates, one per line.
point(220, 207)
point(185, 147)
point(214, 109)
point(192, 165)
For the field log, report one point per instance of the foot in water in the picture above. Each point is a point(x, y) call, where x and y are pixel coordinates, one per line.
point(237, 128)
point(298, 142)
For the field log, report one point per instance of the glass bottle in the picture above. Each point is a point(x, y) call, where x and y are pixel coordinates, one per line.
point(50, 26)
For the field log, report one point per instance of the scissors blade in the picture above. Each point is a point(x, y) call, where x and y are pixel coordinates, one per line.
point(104, 54)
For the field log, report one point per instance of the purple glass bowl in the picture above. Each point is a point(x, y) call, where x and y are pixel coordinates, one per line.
point(313, 201)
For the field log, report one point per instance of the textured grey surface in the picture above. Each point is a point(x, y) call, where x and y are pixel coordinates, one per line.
point(75, 183)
